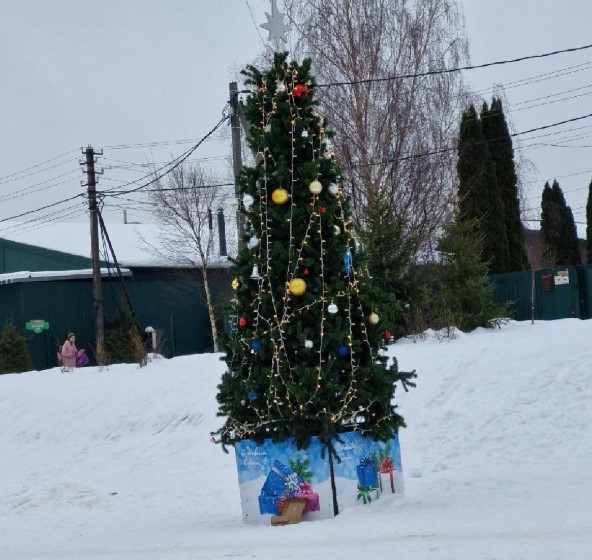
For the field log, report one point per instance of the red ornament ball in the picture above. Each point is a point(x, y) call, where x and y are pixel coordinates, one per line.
point(300, 90)
point(242, 322)
point(387, 335)
point(306, 272)
point(323, 210)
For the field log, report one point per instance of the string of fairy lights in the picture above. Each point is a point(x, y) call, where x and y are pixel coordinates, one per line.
point(282, 371)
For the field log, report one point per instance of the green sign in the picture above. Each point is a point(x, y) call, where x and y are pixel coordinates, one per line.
point(37, 325)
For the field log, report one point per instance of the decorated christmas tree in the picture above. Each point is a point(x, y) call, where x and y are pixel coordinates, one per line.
point(304, 353)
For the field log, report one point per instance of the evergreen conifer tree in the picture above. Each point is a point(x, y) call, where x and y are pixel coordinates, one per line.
point(589, 225)
point(479, 198)
point(388, 262)
point(120, 336)
point(14, 355)
point(558, 229)
point(463, 293)
point(497, 134)
point(303, 358)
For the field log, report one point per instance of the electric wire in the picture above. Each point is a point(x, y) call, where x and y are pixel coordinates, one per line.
point(14, 179)
point(32, 190)
point(538, 78)
point(457, 69)
point(172, 166)
point(2, 179)
point(52, 205)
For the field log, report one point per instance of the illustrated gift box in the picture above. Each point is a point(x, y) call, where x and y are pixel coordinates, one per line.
point(281, 483)
point(386, 476)
point(367, 473)
point(306, 492)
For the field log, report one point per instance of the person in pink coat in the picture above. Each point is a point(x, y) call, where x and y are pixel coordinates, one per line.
point(70, 353)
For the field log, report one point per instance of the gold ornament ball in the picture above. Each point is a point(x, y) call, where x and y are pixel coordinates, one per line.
point(315, 187)
point(280, 196)
point(297, 286)
point(373, 318)
point(235, 284)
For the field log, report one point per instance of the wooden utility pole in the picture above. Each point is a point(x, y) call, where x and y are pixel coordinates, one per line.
point(91, 183)
point(237, 160)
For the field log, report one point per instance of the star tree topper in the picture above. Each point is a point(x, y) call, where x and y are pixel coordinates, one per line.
point(276, 27)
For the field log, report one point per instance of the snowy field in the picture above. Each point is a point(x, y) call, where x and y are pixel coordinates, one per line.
point(117, 465)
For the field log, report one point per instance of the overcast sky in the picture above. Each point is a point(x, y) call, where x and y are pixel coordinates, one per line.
point(113, 72)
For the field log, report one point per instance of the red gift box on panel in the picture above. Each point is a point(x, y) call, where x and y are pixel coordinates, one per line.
point(386, 476)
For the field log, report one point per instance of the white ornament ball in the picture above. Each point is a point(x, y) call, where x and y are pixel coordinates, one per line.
point(315, 187)
point(373, 318)
point(332, 308)
point(304, 134)
point(268, 128)
point(308, 344)
point(281, 87)
point(333, 188)
point(253, 243)
point(336, 230)
point(248, 201)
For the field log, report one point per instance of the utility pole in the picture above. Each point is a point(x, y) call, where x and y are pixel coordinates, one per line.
point(237, 160)
point(91, 184)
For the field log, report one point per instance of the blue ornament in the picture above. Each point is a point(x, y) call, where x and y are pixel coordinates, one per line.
point(255, 345)
point(252, 396)
point(347, 260)
point(342, 350)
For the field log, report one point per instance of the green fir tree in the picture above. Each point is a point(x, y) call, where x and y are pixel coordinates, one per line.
point(14, 355)
point(389, 263)
point(479, 198)
point(121, 333)
point(497, 134)
point(303, 358)
point(463, 293)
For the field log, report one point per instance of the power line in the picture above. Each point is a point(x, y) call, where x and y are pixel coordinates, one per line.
point(449, 149)
point(42, 208)
point(2, 179)
point(153, 144)
point(13, 179)
point(540, 77)
point(31, 188)
point(457, 69)
point(118, 193)
point(179, 161)
point(552, 125)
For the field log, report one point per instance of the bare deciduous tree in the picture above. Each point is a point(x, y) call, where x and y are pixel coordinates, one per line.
point(395, 137)
point(185, 203)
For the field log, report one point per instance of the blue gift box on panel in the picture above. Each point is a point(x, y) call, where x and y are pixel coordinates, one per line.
point(367, 475)
point(281, 482)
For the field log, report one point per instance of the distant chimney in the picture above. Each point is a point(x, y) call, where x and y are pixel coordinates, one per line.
point(222, 232)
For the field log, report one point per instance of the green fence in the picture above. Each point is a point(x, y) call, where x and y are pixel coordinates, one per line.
point(553, 293)
point(174, 306)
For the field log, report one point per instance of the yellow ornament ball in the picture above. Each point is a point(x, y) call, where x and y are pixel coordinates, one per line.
point(315, 187)
point(280, 196)
point(297, 286)
point(235, 284)
point(373, 318)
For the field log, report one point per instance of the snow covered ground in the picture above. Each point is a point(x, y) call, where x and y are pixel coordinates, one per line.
point(117, 465)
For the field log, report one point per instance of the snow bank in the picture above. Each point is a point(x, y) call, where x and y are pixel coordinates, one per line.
point(117, 464)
